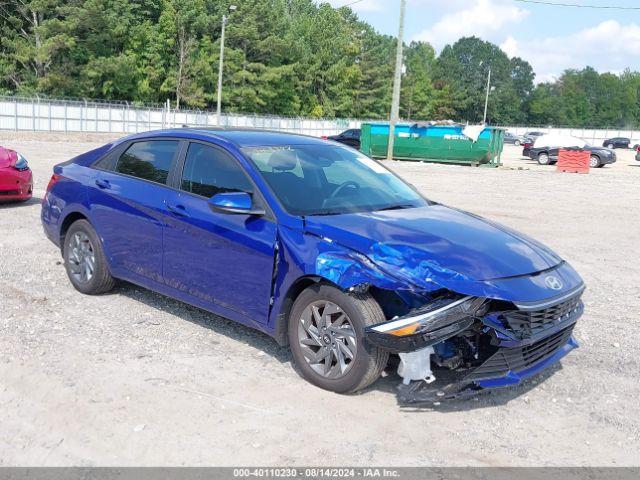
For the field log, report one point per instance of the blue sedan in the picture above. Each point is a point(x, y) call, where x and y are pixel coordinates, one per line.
point(320, 247)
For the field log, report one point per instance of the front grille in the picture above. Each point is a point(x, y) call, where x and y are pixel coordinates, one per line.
point(520, 358)
point(525, 324)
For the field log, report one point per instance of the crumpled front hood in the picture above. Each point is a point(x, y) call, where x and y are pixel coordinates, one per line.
point(436, 244)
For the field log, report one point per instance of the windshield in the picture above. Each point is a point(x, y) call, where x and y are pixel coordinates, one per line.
point(330, 180)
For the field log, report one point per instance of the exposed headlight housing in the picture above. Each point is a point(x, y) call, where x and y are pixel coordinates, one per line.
point(427, 326)
point(21, 163)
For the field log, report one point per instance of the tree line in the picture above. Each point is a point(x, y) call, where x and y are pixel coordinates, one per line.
point(284, 57)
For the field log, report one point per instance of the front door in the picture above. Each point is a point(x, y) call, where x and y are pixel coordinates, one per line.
point(222, 259)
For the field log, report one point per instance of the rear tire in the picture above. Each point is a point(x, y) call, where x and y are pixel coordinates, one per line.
point(309, 340)
point(543, 159)
point(517, 143)
point(611, 146)
point(85, 261)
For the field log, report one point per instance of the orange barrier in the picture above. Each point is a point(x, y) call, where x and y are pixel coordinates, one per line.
point(573, 161)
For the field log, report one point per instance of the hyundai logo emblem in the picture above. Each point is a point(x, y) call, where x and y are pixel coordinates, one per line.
point(554, 283)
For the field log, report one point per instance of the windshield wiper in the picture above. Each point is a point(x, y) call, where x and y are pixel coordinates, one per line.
point(324, 213)
point(396, 207)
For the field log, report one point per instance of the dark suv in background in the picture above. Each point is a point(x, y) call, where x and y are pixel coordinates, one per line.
point(617, 142)
point(349, 137)
point(599, 156)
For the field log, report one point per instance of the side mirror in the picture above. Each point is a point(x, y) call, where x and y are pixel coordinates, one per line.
point(237, 203)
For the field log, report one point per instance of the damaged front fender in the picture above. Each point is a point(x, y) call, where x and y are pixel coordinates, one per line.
point(349, 269)
point(306, 256)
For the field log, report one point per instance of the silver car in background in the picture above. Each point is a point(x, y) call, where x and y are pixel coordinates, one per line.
point(514, 139)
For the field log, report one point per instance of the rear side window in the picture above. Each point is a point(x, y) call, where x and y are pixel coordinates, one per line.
point(209, 171)
point(148, 160)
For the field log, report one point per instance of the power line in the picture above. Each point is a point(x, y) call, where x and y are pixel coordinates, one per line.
point(578, 5)
point(349, 4)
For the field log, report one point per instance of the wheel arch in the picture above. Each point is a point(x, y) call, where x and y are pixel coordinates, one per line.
point(294, 290)
point(69, 220)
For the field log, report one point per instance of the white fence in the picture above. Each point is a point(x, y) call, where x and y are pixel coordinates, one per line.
point(39, 114)
point(590, 135)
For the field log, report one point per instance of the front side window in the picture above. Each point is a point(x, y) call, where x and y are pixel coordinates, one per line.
point(328, 180)
point(208, 171)
point(148, 160)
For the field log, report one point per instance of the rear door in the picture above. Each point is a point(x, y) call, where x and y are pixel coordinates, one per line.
point(128, 206)
point(222, 259)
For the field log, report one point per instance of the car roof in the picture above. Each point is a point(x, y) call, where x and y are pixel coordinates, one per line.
point(238, 136)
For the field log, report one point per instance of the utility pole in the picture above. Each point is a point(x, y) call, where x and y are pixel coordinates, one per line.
point(220, 66)
point(395, 101)
point(486, 100)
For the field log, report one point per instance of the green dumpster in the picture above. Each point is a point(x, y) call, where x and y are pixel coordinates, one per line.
point(434, 143)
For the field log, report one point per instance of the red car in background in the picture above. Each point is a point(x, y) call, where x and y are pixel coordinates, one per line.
point(16, 180)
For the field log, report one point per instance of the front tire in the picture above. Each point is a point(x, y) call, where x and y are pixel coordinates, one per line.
point(326, 335)
point(611, 146)
point(85, 261)
point(517, 143)
point(594, 161)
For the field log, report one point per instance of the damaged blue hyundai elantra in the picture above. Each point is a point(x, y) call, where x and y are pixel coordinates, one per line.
point(320, 247)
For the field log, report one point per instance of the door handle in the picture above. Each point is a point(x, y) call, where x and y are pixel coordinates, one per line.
point(103, 183)
point(177, 210)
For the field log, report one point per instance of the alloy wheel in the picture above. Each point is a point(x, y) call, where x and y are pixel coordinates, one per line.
point(82, 258)
point(594, 161)
point(327, 339)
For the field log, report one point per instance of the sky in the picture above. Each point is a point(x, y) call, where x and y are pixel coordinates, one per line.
point(550, 38)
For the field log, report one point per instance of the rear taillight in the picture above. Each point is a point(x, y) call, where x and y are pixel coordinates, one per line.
point(324, 137)
point(54, 179)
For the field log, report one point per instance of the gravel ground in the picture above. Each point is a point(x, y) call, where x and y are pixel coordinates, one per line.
point(133, 378)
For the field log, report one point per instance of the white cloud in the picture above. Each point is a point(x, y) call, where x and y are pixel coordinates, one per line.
point(611, 45)
point(608, 46)
point(484, 18)
point(510, 46)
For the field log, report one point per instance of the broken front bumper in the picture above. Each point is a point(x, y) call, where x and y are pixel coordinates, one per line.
point(505, 368)
point(518, 343)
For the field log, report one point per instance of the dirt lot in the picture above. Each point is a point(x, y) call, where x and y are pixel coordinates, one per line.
point(133, 378)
